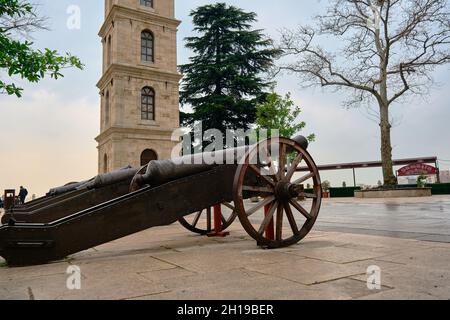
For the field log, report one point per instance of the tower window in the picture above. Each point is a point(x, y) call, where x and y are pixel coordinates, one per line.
point(147, 46)
point(109, 44)
point(148, 104)
point(105, 163)
point(147, 3)
point(107, 108)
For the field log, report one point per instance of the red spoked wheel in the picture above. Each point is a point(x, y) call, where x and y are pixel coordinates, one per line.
point(274, 163)
point(202, 222)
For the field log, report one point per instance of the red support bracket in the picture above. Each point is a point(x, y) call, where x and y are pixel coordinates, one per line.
point(218, 223)
point(270, 230)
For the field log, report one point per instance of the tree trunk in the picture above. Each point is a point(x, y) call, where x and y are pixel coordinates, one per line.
point(386, 147)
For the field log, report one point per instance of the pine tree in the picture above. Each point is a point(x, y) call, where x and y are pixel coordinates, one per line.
point(223, 83)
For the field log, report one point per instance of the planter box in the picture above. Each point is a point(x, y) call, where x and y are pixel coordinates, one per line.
point(394, 193)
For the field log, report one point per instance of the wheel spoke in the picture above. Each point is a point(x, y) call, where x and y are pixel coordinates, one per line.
point(228, 205)
point(302, 210)
point(279, 234)
point(308, 195)
point(266, 201)
point(304, 178)
point(294, 166)
point(291, 219)
point(197, 218)
point(258, 189)
point(282, 162)
point(270, 164)
point(256, 170)
point(268, 218)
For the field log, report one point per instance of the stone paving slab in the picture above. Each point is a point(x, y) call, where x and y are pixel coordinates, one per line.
point(171, 263)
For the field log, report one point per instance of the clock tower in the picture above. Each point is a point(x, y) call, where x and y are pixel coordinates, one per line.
point(139, 86)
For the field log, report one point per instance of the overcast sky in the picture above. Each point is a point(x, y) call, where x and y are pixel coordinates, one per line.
point(47, 137)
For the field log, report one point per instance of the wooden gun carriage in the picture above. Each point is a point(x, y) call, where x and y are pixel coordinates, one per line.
point(78, 217)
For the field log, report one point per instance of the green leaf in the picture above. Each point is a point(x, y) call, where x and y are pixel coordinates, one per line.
point(19, 58)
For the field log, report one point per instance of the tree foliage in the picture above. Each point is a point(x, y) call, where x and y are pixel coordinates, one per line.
point(18, 58)
point(224, 81)
point(280, 113)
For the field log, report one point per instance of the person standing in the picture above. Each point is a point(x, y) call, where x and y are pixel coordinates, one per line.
point(23, 194)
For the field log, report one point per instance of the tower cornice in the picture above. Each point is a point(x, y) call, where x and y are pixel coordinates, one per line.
point(141, 72)
point(157, 133)
point(121, 12)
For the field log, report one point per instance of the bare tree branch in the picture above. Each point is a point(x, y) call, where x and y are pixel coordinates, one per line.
point(387, 51)
point(23, 25)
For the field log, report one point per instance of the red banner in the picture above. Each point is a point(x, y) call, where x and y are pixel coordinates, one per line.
point(417, 169)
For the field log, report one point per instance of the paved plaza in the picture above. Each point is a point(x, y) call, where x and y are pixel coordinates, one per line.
point(408, 239)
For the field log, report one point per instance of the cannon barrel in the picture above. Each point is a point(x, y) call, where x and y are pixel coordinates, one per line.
point(162, 171)
point(67, 188)
point(99, 181)
point(108, 179)
point(302, 141)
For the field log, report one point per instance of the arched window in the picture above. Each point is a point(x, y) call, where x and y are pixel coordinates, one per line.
point(147, 3)
point(105, 163)
point(109, 51)
point(147, 46)
point(147, 156)
point(147, 104)
point(107, 107)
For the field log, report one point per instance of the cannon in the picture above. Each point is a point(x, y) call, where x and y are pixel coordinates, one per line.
point(66, 200)
point(184, 189)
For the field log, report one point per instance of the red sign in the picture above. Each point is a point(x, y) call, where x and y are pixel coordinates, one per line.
point(417, 169)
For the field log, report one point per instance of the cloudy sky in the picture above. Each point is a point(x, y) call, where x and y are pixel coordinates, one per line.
point(47, 137)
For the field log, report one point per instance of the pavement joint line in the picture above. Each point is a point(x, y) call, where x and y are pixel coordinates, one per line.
point(383, 285)
point(361, 260)
point(36, 276)
point(170, 263)
point(306, 284)
point(324, 260)
point(140, 273)
point(170, 248)
point(403, 264)
point(393, 262)
point(146, 295)
point(336, 279)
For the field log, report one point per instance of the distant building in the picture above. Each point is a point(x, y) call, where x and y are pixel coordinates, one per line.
point(445, 176)
point(432, 179)
point(413, 179)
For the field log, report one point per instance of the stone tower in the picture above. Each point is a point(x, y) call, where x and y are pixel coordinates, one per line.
point(140, 83)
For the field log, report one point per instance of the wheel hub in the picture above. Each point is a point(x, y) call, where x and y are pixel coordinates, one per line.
point(284, 191)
